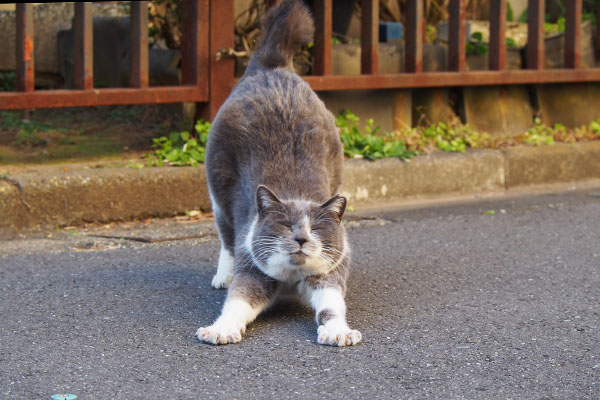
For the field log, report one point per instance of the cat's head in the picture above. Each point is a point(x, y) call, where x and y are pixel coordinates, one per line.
point(292, 239)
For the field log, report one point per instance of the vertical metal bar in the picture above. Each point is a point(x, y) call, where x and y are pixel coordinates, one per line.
point(573, 34)
point(25, 54)
point(195, 46)
point(138, 76)
point(457, 35)
point(195, 56)
point(535, 35)
point(83, 62)
point(323, 33)
point(369, 37)
point(414, 36)
point(222, 71)
point(598, 31)
point(497, 35)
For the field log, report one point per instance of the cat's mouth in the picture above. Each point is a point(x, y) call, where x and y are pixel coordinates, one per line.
point(298, 257)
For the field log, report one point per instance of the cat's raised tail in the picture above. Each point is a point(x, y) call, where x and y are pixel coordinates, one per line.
point(285, 28)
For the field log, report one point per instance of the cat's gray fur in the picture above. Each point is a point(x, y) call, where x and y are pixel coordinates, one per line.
point(274, 164)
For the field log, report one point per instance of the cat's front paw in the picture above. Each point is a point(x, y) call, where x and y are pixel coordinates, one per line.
point(221, 334)
point(221, 281)
point(338, 335)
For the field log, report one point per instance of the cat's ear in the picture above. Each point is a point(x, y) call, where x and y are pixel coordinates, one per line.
point(265, 199)
point(335, 206)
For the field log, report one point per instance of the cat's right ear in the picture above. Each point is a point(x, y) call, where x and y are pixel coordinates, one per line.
point(265, 199)
point(336, 206)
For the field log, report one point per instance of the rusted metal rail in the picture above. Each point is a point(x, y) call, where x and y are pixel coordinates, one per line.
point(208, 27)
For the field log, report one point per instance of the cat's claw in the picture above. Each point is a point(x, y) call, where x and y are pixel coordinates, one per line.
point(220, 334)
point(338, 336)
point(221, 281)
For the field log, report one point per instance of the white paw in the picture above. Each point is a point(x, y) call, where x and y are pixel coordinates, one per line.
point(221, 281)
point(221, 334)
point(336, 335)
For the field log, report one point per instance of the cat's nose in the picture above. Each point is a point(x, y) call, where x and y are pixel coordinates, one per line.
point(300, 240)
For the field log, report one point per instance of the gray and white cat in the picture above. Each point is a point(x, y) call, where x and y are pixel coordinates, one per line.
point(274, 163)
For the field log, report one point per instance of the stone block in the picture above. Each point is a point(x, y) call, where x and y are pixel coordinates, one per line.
point(552, 164)
point(376, 104)
point(60, 198)
point(555, 48)
point(423, 176)
point(477, 62)
point(402, 112)
point(430, 106)
point(572, 104)
point(435, 58)
point(498, 110)
point(345, 58)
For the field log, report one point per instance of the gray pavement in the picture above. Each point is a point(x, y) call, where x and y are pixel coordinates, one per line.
point(493, 299)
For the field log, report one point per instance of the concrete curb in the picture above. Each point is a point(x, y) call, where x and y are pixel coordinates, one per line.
point(70, 195)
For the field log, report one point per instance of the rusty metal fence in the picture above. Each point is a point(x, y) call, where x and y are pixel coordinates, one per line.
point(208, 28)
point(194, 70)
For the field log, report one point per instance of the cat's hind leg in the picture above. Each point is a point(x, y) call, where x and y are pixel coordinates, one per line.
point(249, 294)
point(224, 274)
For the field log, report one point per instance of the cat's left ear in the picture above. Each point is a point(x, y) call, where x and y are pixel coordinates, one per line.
point(335, 206)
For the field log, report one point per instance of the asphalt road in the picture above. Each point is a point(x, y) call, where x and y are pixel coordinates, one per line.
point(494, 299)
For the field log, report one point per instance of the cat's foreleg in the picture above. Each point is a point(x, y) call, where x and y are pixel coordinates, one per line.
point(330, 308)
point(249, 294)
point(224, 275)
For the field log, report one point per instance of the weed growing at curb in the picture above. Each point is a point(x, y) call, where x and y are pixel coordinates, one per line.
point(368, 144)
point(456, 137)
point(372, 143)
point(180, 148)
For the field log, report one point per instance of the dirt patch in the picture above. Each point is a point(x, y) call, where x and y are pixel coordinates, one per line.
point(72, 134)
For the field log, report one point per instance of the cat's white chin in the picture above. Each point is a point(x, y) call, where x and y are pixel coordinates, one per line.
point(286, 267)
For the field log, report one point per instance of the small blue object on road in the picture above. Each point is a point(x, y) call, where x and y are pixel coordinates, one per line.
point(65, 396)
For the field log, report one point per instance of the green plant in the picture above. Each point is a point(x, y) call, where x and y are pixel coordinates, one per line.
point(431, 34)
point(554, 28)
point(595, 127)
point(446, 137)
point(8, 81)
point(510, 42)
point(368, 144)
point(180, 148)
point(510, 14)
point(122, 113)
point(31, 133)
point(10, 119)
point(524, 17)
point(540, 134)
point(476, 46)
